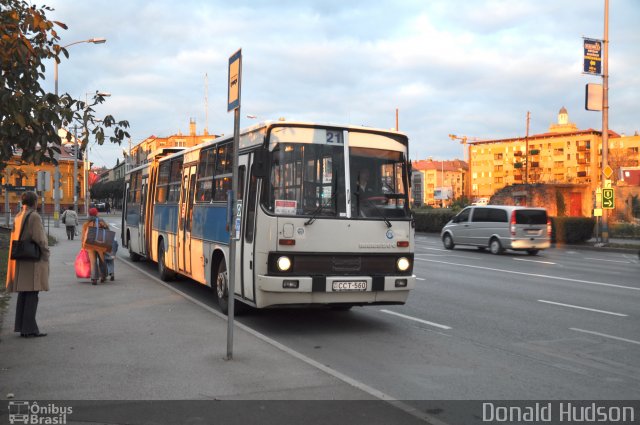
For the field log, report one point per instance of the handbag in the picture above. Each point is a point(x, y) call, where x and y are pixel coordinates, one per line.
point(83, 264)
point(100, 238)
point(25, 250)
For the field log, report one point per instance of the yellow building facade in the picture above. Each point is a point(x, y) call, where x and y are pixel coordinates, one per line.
point(564, 155)
point(18, 177)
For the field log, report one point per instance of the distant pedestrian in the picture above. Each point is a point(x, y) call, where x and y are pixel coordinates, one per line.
point(96, 254)
point(107, 207)
point(70, 219)
point(28, 278)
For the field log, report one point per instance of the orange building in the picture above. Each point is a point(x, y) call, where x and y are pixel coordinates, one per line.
point(145, 150)
point(438, 183)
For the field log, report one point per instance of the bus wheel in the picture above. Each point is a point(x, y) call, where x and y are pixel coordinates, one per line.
point(132, 255)
point(163, 271)
point(222, 288)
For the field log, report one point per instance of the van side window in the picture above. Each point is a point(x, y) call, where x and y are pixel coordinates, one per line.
point(498, 216)
point(480, 215)
point(464, 215)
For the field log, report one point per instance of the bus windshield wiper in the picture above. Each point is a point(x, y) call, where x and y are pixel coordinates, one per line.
point(379, 211)
point(322, 206)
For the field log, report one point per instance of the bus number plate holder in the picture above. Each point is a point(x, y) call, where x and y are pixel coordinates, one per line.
point(349, 285)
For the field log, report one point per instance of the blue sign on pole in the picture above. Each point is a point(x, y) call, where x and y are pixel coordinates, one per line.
point(592, 56)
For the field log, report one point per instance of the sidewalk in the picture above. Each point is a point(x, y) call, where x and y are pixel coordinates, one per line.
point(135, 339)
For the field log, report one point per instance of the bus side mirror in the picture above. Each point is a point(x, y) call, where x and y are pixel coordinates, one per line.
point(261, 163)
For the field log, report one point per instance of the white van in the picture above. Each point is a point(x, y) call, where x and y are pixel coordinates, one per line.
point(499, 227)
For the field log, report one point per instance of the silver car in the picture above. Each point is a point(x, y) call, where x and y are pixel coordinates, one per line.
point(499, 227)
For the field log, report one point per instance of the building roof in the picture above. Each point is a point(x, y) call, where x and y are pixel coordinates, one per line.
point(429, 164)
point(612, 134)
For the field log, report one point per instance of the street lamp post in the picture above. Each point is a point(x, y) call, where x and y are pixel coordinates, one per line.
point(56, 176)
point(86, 154)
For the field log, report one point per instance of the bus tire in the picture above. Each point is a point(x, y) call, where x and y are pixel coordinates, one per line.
point(132, 255)
point(222, 287)
point(165, 274)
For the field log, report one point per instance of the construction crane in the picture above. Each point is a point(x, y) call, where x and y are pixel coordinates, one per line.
point(463, 141)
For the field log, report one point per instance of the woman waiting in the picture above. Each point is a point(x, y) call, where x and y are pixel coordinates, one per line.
point(96, 253)
point(28, 278)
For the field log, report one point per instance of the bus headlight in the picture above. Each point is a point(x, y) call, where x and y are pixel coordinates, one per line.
point(403, 264)
point(284, 263)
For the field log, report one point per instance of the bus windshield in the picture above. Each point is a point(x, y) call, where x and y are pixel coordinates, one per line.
point(309, 180)
point(378, 183)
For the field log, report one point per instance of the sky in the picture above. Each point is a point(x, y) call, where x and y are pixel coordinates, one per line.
point(470, 68)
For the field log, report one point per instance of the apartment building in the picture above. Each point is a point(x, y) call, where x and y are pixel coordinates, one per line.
point(438, 183)
point(139, 154)
point(564, 156)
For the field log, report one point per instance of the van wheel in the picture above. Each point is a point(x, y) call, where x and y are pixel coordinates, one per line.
point(163, 271)
point(533, 251)
point(447, 241)
point(495, 246)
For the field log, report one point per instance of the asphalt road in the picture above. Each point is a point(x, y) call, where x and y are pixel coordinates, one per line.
point(561, 325)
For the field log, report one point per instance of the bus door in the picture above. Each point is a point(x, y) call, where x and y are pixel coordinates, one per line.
point(143, 216)
point(184, 224)
point(247, 238)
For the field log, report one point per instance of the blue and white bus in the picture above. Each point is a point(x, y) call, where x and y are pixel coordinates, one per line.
point(324, 210)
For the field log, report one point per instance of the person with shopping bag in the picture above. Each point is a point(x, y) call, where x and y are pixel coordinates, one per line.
point(28, 269)
point(70, 219)
point(96, 252)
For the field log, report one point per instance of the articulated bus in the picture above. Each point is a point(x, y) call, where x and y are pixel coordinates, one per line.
point(324, 212)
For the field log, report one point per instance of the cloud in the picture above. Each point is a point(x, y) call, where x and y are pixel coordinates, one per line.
point(470, 68)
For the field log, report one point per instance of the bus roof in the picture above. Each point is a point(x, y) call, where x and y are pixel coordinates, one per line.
point(255, 134)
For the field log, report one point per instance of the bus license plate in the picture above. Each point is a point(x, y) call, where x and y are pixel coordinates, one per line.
point(351, 285)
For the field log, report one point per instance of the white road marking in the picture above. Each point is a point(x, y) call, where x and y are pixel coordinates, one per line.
point(544, 276)
point(534, 261)
point(611, 261)
point(415, 319)
point(584, 308)
point(420, 278)
point(606, 335)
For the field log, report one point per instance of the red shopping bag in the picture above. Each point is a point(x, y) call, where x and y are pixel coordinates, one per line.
point(83, 265)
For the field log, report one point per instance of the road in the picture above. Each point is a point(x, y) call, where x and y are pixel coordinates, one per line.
point(561, 325)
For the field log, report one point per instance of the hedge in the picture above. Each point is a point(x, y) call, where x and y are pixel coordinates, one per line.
point(571, 229)
point(431, 221)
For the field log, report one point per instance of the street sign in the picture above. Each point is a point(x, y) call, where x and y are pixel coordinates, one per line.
point(607, 171)
point(44, 181)
point(597, 212)
point(592, 56)
point(607, 184)
point(233, 94)
point(608, 199)
point(598, 198)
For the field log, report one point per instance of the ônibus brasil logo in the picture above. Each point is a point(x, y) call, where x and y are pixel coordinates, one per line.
point(31, 413)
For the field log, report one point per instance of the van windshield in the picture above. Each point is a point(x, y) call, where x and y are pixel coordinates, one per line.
point(531, 217)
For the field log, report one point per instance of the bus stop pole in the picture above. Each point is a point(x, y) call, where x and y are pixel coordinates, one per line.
point(234, 231)
point(233, 102)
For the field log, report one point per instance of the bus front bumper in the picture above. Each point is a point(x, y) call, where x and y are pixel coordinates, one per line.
point(356, 290)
